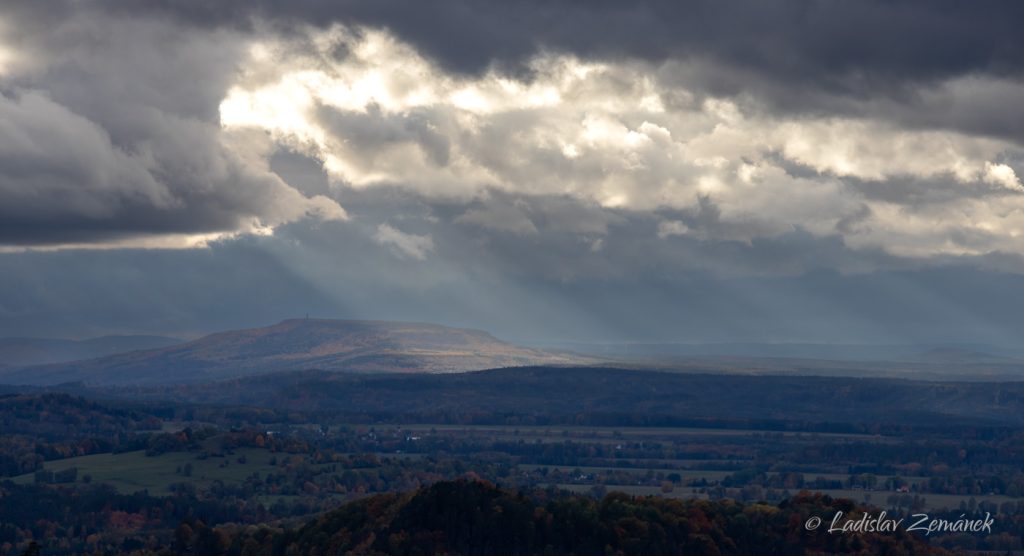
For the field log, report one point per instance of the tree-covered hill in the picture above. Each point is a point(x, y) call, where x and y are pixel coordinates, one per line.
point(48, 426)
point(473, 517)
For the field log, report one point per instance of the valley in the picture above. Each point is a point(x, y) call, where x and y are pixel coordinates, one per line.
point(273, 427)
point(284, 448)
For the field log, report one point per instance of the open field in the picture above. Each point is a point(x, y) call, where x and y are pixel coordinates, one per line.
point(617, 433)
point(636, 460)
point(134, 471)
point(130, 472)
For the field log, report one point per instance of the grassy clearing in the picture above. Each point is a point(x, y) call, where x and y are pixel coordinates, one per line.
point(134, 471)
point(130, 472)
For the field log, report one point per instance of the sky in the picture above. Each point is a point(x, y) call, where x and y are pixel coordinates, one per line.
point(831, 171)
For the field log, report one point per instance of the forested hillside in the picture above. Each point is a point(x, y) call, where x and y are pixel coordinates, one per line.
point(472, 517)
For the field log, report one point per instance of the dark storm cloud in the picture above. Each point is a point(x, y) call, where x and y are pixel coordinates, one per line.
point(874, 58)
point(63, 179)
point(847, 44)
point(109, 131)
point(975, 101)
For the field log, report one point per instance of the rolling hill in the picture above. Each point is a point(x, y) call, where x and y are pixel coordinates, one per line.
point(331, 345)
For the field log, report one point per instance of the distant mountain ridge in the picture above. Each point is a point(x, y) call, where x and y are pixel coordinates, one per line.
point(22, 352)
point(332, 345)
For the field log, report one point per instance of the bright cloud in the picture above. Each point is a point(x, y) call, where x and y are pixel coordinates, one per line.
point(404, 244)
point(381, 114)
